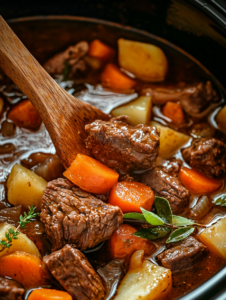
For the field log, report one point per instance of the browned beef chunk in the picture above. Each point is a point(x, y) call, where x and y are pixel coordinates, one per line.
point(193, 99)
point(208, 155)
point(73, 216)
point(123, 147)
point(182, 256)
point(73, 55)
point(173, 166)
point(196, 99)
point(10, 289)
point(167, 185)
point(112, 274)
point(73, 271)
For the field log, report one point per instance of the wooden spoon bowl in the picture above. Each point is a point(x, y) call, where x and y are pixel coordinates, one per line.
point(63, 115)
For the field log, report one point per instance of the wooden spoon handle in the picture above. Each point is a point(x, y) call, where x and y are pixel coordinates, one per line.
point(63, 114)
point(18, 63)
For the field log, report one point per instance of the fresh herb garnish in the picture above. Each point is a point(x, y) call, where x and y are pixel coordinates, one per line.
point(163, 222)
point(221, 201)
point(163, 209)
point(12, 234)
point(180, 234)
point(152, 233)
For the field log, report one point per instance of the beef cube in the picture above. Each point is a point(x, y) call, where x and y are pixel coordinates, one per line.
point(122, 147)
point(73, 216)
point(194, 99)
point(73, 271)
point(168, 186)
point(73, 55)
point(208, 155)
point(182, 256)
point(10, 289)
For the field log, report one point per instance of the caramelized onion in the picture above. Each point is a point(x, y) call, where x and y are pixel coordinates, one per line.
point(202, 208)
point(112, 274)
point(136, 260)
point(8, 128)
point(50, 169)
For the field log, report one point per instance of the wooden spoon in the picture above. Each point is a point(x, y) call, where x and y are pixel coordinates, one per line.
point(64, 115)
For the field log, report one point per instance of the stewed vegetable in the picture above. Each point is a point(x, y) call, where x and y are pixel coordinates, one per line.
point(141, 217)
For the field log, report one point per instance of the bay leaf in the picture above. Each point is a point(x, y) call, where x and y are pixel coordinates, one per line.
point(152, 218)
point(181, 221)
point(180, 234)
point(152, 233)
point(135, 216)
point(163, 209)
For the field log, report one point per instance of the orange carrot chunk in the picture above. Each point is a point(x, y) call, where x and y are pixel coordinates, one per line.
point(47, 294)
point(130, 196)
point(91, 175)
point(101, 51)
point(25, 115)
point(174, 112)
point(123, 243)
point(113, 78)
point(25, 268)
point(198, 183)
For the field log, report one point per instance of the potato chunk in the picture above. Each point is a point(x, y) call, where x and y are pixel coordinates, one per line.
point(214, 238)
point(138, 110)
point(147, 62)
point(144, 280)
point(170, 140)
point(221, 119)
point(25, 187)
point(23, 243)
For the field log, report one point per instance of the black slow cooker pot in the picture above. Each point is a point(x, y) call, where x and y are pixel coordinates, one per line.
point(197, 26)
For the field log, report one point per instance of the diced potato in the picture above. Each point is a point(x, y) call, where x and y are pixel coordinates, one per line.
point(144, 281)
point(23, 243)
point(147, 62)
point(1, 105)
point(221, 119)
point(25, 187)
point(170, 140)
point(138, 110)
point(214, 238)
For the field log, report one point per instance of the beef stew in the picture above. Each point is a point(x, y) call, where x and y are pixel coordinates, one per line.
point(83, 72)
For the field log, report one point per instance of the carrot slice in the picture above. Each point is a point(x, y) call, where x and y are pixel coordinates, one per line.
point(113, 78)
point(123, 243)
point(100, 50)
point(25, 115)
point(198, 183)
point(174, 112)
point(47, 294)
point(130, 196)
point(25, 268)
point(91, 175)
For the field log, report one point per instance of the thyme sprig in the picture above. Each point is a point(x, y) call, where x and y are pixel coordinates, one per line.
point(12, 234)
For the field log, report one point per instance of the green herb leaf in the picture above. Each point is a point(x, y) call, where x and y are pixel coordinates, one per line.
point(163, 209)
point(221, 201)
point(67, 70)
point(152, 233)
point(180, 234)
point(152, 218)
point(181, 221)
point(135, 216)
